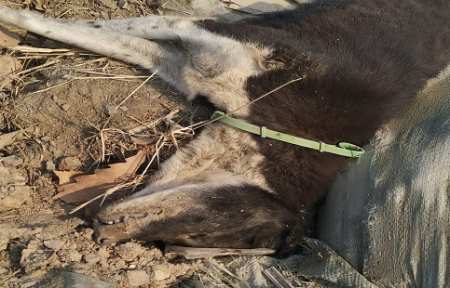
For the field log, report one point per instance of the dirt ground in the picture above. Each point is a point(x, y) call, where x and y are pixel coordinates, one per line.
point(65, 110)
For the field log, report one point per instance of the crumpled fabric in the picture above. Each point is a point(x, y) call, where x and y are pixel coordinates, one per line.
point(389, 214)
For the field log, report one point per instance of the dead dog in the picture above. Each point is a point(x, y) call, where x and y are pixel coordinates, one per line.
point(329, 71)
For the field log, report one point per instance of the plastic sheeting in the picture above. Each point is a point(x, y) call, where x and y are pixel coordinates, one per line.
point(389, 215)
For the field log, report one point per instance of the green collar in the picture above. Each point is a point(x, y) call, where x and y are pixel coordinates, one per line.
point(341, 149)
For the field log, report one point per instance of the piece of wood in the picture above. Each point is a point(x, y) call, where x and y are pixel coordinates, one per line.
point(196, 253)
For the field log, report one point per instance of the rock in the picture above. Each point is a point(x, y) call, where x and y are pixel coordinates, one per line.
point(161, 272)
point(137, 278)
point(54, 244)
point(69, 164)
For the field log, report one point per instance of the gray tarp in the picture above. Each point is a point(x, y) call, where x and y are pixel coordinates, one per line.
point(389, 216)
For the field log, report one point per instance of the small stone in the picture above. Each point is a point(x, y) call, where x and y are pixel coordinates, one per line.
point(137, 278)
point(161, 272)
point(69, 164)
point(54, 244)
point(75, 256)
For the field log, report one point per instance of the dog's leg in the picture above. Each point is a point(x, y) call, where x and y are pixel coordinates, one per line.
point(203, 196)
point(130, 49)
point(227, 213)
point(148, 27)
point(192, 59)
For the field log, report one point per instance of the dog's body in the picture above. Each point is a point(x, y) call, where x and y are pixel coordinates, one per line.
point(355, 64)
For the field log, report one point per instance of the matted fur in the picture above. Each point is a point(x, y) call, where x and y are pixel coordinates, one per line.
point(360, 62)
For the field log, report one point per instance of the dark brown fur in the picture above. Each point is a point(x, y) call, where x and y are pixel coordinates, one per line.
point(362, 63)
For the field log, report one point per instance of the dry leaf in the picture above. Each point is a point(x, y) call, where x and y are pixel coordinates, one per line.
point(65, 177)
point(86, 187)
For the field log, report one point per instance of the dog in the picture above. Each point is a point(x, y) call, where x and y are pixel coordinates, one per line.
point(329, 71)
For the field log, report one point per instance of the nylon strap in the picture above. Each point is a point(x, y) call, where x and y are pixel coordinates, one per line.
point(341, 149)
